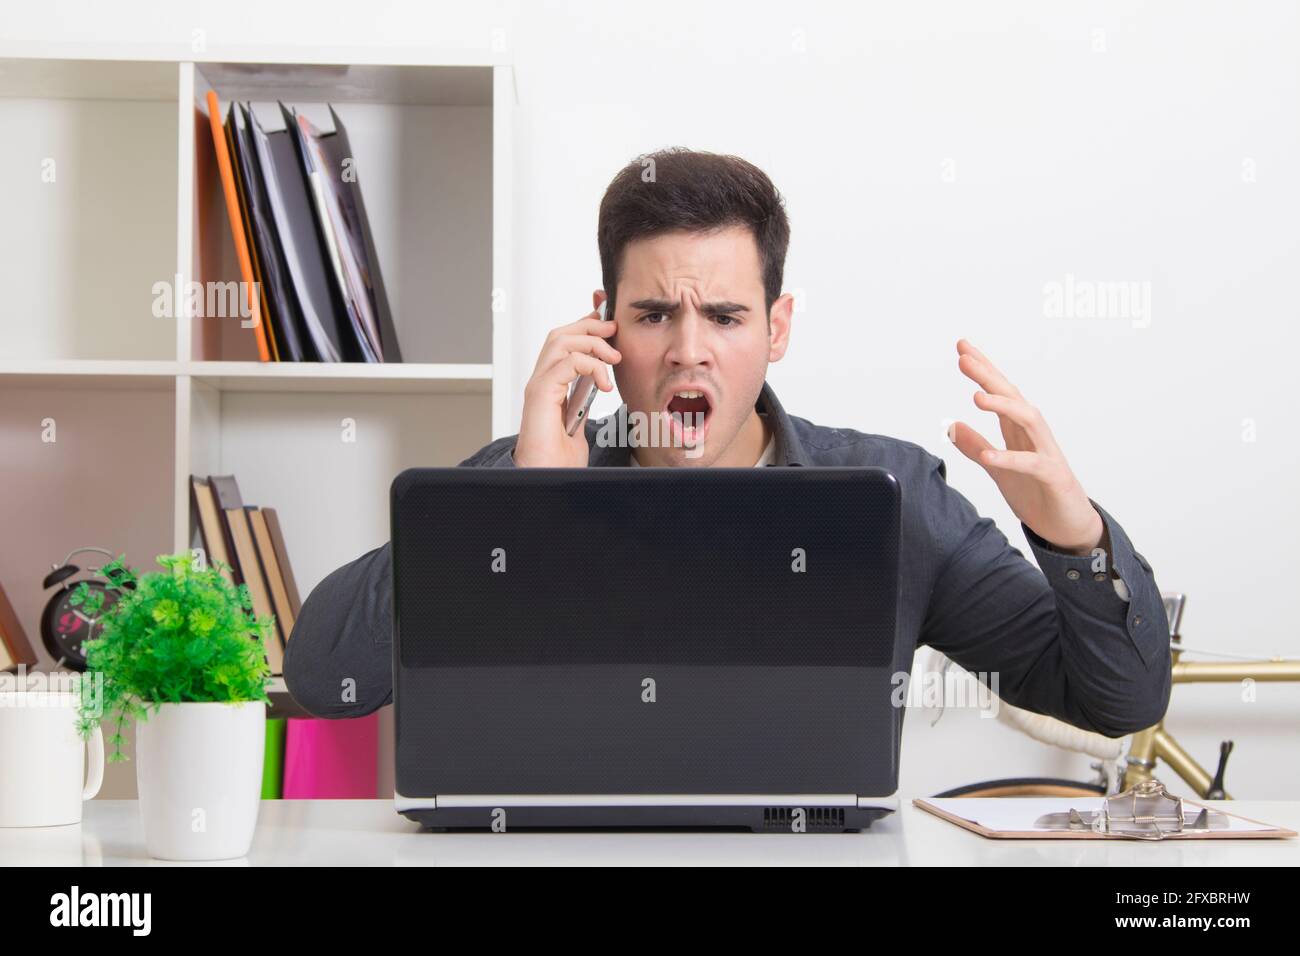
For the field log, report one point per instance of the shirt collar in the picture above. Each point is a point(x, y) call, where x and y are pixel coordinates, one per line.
point(789, 451)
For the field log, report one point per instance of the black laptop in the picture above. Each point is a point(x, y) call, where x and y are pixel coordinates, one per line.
point(634, 647)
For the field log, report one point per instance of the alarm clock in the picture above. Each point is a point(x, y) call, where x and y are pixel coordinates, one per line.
point(66, 627)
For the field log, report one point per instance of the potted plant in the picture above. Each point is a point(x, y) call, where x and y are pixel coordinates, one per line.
point(181, 654)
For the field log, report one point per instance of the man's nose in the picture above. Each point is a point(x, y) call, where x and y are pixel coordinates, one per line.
point(689, 345)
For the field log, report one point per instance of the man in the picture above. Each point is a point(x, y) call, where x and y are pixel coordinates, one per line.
point(692, 249)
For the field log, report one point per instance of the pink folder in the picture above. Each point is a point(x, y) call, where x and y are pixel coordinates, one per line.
point(331, 759)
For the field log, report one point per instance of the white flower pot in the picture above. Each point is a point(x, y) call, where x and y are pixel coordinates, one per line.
point(199, 773)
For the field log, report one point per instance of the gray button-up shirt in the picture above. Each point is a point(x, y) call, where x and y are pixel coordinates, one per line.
point(1062, 640)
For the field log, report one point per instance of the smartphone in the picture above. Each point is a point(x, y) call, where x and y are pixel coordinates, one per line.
point(581, 394)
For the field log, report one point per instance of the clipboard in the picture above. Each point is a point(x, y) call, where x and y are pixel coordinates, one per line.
point(1002, 818)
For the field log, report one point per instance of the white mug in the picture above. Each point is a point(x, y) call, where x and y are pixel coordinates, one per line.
point(42, 758)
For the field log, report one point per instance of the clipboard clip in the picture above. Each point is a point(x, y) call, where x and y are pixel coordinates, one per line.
point(1145, 811)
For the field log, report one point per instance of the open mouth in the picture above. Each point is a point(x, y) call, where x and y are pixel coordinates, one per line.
point(689, 411)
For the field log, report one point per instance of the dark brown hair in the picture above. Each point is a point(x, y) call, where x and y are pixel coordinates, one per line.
point(684, 189)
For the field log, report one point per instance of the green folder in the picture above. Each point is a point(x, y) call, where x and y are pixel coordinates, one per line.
point(273, 762)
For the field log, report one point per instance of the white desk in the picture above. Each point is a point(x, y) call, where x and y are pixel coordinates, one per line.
point(370, 832)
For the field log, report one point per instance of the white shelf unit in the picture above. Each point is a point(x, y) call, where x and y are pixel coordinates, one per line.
point(110, 186)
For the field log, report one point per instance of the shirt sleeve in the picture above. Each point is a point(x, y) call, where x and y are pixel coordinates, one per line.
point(1059, 639)
point(338, 661)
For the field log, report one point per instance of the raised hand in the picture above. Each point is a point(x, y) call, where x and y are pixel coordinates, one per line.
point(1031, 472)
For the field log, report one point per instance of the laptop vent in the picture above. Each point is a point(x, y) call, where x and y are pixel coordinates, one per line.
point(814, 818)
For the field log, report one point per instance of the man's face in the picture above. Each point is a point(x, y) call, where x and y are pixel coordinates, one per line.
point(690, 313)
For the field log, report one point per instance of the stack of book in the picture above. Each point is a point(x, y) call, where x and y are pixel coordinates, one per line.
point(306, 256)
point(248, 542)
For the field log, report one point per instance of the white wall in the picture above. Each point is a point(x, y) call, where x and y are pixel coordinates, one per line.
point(942, 163)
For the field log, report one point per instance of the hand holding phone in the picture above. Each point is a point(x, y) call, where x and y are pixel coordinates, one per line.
point(581, 395)
point(555, 405)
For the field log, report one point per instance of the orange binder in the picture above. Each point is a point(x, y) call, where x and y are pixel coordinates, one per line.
point(231, 190)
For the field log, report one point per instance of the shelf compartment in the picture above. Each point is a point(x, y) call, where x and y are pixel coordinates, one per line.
point(104, 481)
point(423, 138)
point(90, 174)
point(325, 460)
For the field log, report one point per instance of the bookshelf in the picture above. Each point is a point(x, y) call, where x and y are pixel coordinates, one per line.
point(110, 187)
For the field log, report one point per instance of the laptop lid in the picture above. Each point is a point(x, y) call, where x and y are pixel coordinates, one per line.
point(646, 631)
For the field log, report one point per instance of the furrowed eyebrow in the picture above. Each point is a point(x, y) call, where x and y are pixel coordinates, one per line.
point(708, 308)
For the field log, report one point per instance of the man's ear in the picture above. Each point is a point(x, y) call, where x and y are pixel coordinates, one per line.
point(779, 319)
point(597, 298)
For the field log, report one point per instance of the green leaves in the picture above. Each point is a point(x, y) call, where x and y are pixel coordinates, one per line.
point(183, 634)
point(167, 613)
point(91, 602)
point(202, 621)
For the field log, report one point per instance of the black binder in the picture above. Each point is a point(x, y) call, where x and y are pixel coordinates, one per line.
point(344, 226)
point(285, 315)
point(306, 260)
